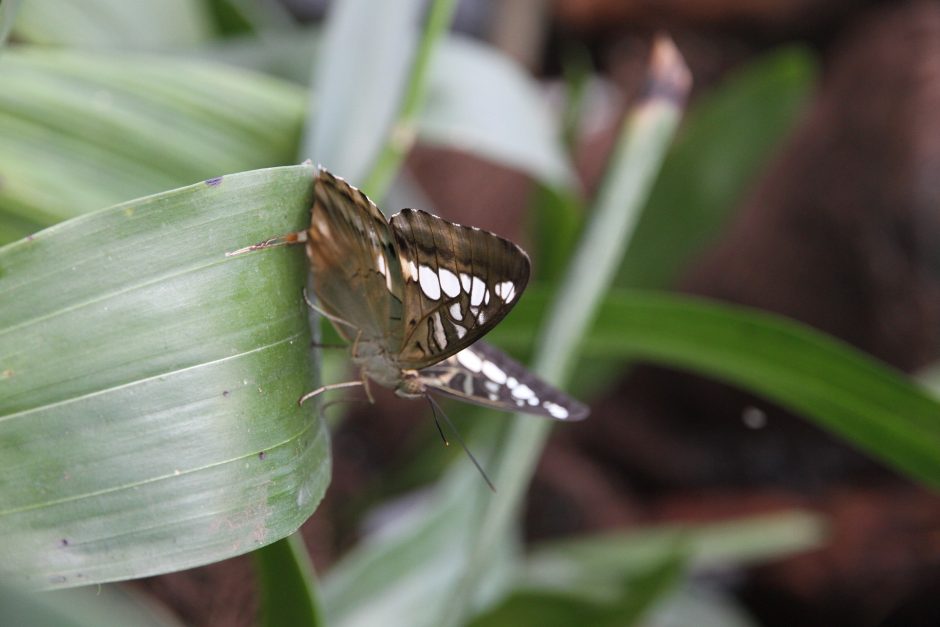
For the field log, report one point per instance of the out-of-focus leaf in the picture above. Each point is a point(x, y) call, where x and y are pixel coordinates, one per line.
point(123, 24)
point(483, 103)
point(8, 10)
point(644, 136)
point(699, 606)
point(399, 575)
point(726, 139)
point(149, 385)
point(594, 563)
point(81, 131)
point(868, 403)
point(86, 607)
point(560, 608)
point(288, 588)
point(359, 87)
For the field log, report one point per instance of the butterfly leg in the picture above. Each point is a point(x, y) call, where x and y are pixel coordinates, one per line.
point(325, 314)
point(327, 388)
point(298, 237)
point(365, 385)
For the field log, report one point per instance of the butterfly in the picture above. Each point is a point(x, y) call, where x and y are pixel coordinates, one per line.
point(413, 295)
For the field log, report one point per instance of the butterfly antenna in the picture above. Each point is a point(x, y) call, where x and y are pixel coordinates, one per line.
point(298, 237)
point(435, 407)
point(436, 422)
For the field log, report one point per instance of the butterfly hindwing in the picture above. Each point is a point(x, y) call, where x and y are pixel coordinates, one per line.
point(484, 375)
point(458, 283)
point(354, 262)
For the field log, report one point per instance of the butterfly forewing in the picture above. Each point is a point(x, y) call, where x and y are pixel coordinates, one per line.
point(458, 283)
point(354, 262)
point(483, 375)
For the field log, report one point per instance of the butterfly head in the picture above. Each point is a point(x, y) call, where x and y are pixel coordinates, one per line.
point(411, 385)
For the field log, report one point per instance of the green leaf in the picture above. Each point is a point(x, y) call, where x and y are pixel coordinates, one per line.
point(561, 608)
point(483, 103)
point(838, 387)
point(124, 24)
point(81, 131)
point(400, 575)
point(8, 10)
point(593, 563)
point(359, 87)
point(148, 385)
point(726, 139)
point(84, 607)
point(644, 136)
point(288, 586)
point(401, 136)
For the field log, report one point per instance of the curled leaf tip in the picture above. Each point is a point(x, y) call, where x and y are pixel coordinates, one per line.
point(669, 77)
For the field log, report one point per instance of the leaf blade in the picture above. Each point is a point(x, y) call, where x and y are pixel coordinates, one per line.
point(148, 416)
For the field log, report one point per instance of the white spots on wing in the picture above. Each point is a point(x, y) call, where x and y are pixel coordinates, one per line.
point(383, 269)
point(437, 327)
point(476, 294)
point(523, 391)
point(512, 382)
point(533, 401)
point(494, 372)
point(461, 331)
point(323, 227)
point(506, 291)
point(492, 396)
point(465, 281)
point(556, 410)
point(455, 312)
point(449, 282)
point(492, 386)
point(429, 282)
point(469, 360)
point(412, 271)
point(486, 298)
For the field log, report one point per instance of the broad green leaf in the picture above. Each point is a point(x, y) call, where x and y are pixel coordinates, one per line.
point(123, 24)
point(727, 137)
point(81, 131)
point(148, 385)
point(860, 399)
point(288, 587)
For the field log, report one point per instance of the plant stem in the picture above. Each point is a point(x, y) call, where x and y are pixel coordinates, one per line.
point(403, 132)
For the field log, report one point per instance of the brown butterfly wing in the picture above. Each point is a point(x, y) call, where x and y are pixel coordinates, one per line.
point(354, 262)
point(484, 375)
point(458, 283)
